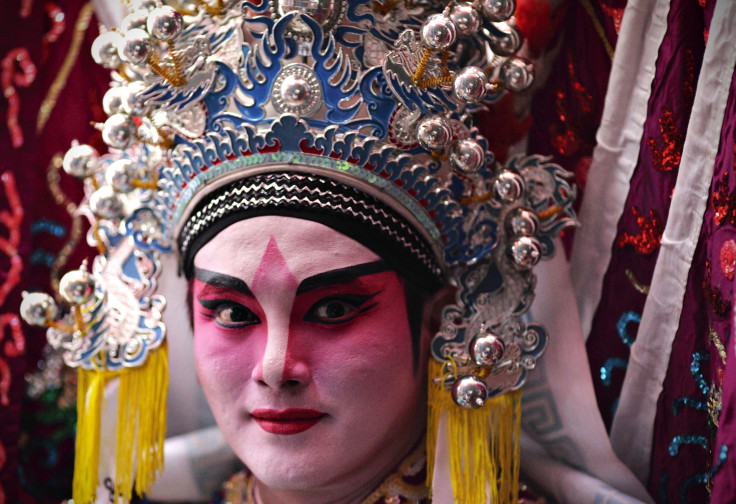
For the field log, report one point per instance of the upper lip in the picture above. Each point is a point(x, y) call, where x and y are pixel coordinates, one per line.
point(287, 414)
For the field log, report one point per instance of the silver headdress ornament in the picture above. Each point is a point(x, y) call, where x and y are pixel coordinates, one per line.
point(376, 96)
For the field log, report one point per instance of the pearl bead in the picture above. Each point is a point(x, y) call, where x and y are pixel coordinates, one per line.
point(516, 74)
point(522, 221)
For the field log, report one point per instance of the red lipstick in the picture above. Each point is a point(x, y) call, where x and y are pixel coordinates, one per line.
point(286, 422)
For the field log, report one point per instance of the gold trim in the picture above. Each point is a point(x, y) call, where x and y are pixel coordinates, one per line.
point(598, 27)
point(49, 101)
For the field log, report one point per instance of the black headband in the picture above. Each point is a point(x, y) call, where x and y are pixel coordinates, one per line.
point(346, 209)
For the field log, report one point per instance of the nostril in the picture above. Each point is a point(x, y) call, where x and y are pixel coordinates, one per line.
point(292, 383)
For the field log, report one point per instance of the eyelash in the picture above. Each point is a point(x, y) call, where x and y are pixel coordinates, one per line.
point(217, 306)
point(354, 301)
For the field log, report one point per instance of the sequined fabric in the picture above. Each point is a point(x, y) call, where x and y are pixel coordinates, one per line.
point(51, 89)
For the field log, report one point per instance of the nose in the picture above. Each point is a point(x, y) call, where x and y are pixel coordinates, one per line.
point(281, 366)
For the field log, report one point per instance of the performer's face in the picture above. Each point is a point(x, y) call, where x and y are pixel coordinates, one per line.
point(303, 349)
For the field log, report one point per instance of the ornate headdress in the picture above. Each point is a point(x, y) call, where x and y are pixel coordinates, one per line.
point(350, 111)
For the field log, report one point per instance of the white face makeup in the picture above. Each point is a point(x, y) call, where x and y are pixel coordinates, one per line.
point(303, 349)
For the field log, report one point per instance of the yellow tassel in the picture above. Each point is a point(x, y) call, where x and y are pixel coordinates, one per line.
point(140, 430)
point(484, 444)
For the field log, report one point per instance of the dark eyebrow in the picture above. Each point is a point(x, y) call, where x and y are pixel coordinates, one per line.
point(222, 280)
point(342, 275)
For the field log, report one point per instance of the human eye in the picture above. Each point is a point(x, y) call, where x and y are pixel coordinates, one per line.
point(229, 314)
point(338, 309)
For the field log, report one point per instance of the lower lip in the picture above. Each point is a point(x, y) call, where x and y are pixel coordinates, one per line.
point(287, 427)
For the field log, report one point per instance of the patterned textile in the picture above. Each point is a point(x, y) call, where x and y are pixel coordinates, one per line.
point(693, 432)
point(51, 92)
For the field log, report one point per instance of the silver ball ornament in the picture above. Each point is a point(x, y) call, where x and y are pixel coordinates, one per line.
point(133, 103)
point(136, 19)
point(120, 174)
point(508, 186)
point(135, 46)
point(439, 32)
point(295, 90)
point(470, 392)
point(525, 252)
point(466, 19)
point(507, 42)
point(146, 5)
point(434, 133)
point(38, 308)
point(106, 203)
point(322, 11)
point(487, 349)
point(112, 102)
point(498, 10)
point(119, 131)
point(516, 74)
point(467, 156)
point(105, 49)
point(522, 221)
point(165, 23)
point(470, 85)
point(80, 161)
point(77, 287)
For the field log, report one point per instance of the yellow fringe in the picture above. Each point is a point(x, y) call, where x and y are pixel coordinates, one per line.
point(140, 430)
point(484, 444)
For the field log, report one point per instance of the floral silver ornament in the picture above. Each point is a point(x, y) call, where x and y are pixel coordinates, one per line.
point(522, 221)
point(77, 286)
point(165, 23)
point(136, 19)
point(80, 161)
point(498, 10)
point(470, 392)
point(487, 349)
point(119, 131)
point(516, 74)
point(434, 133)
point(470, 85)
point(525, 252)
point(38, 308)
point(466, 19)
point(467, 156)
point(439, 32)
point(120, 174)
point(105, 49)
point(135, 46)
point(106, 203)
point(508, 186)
